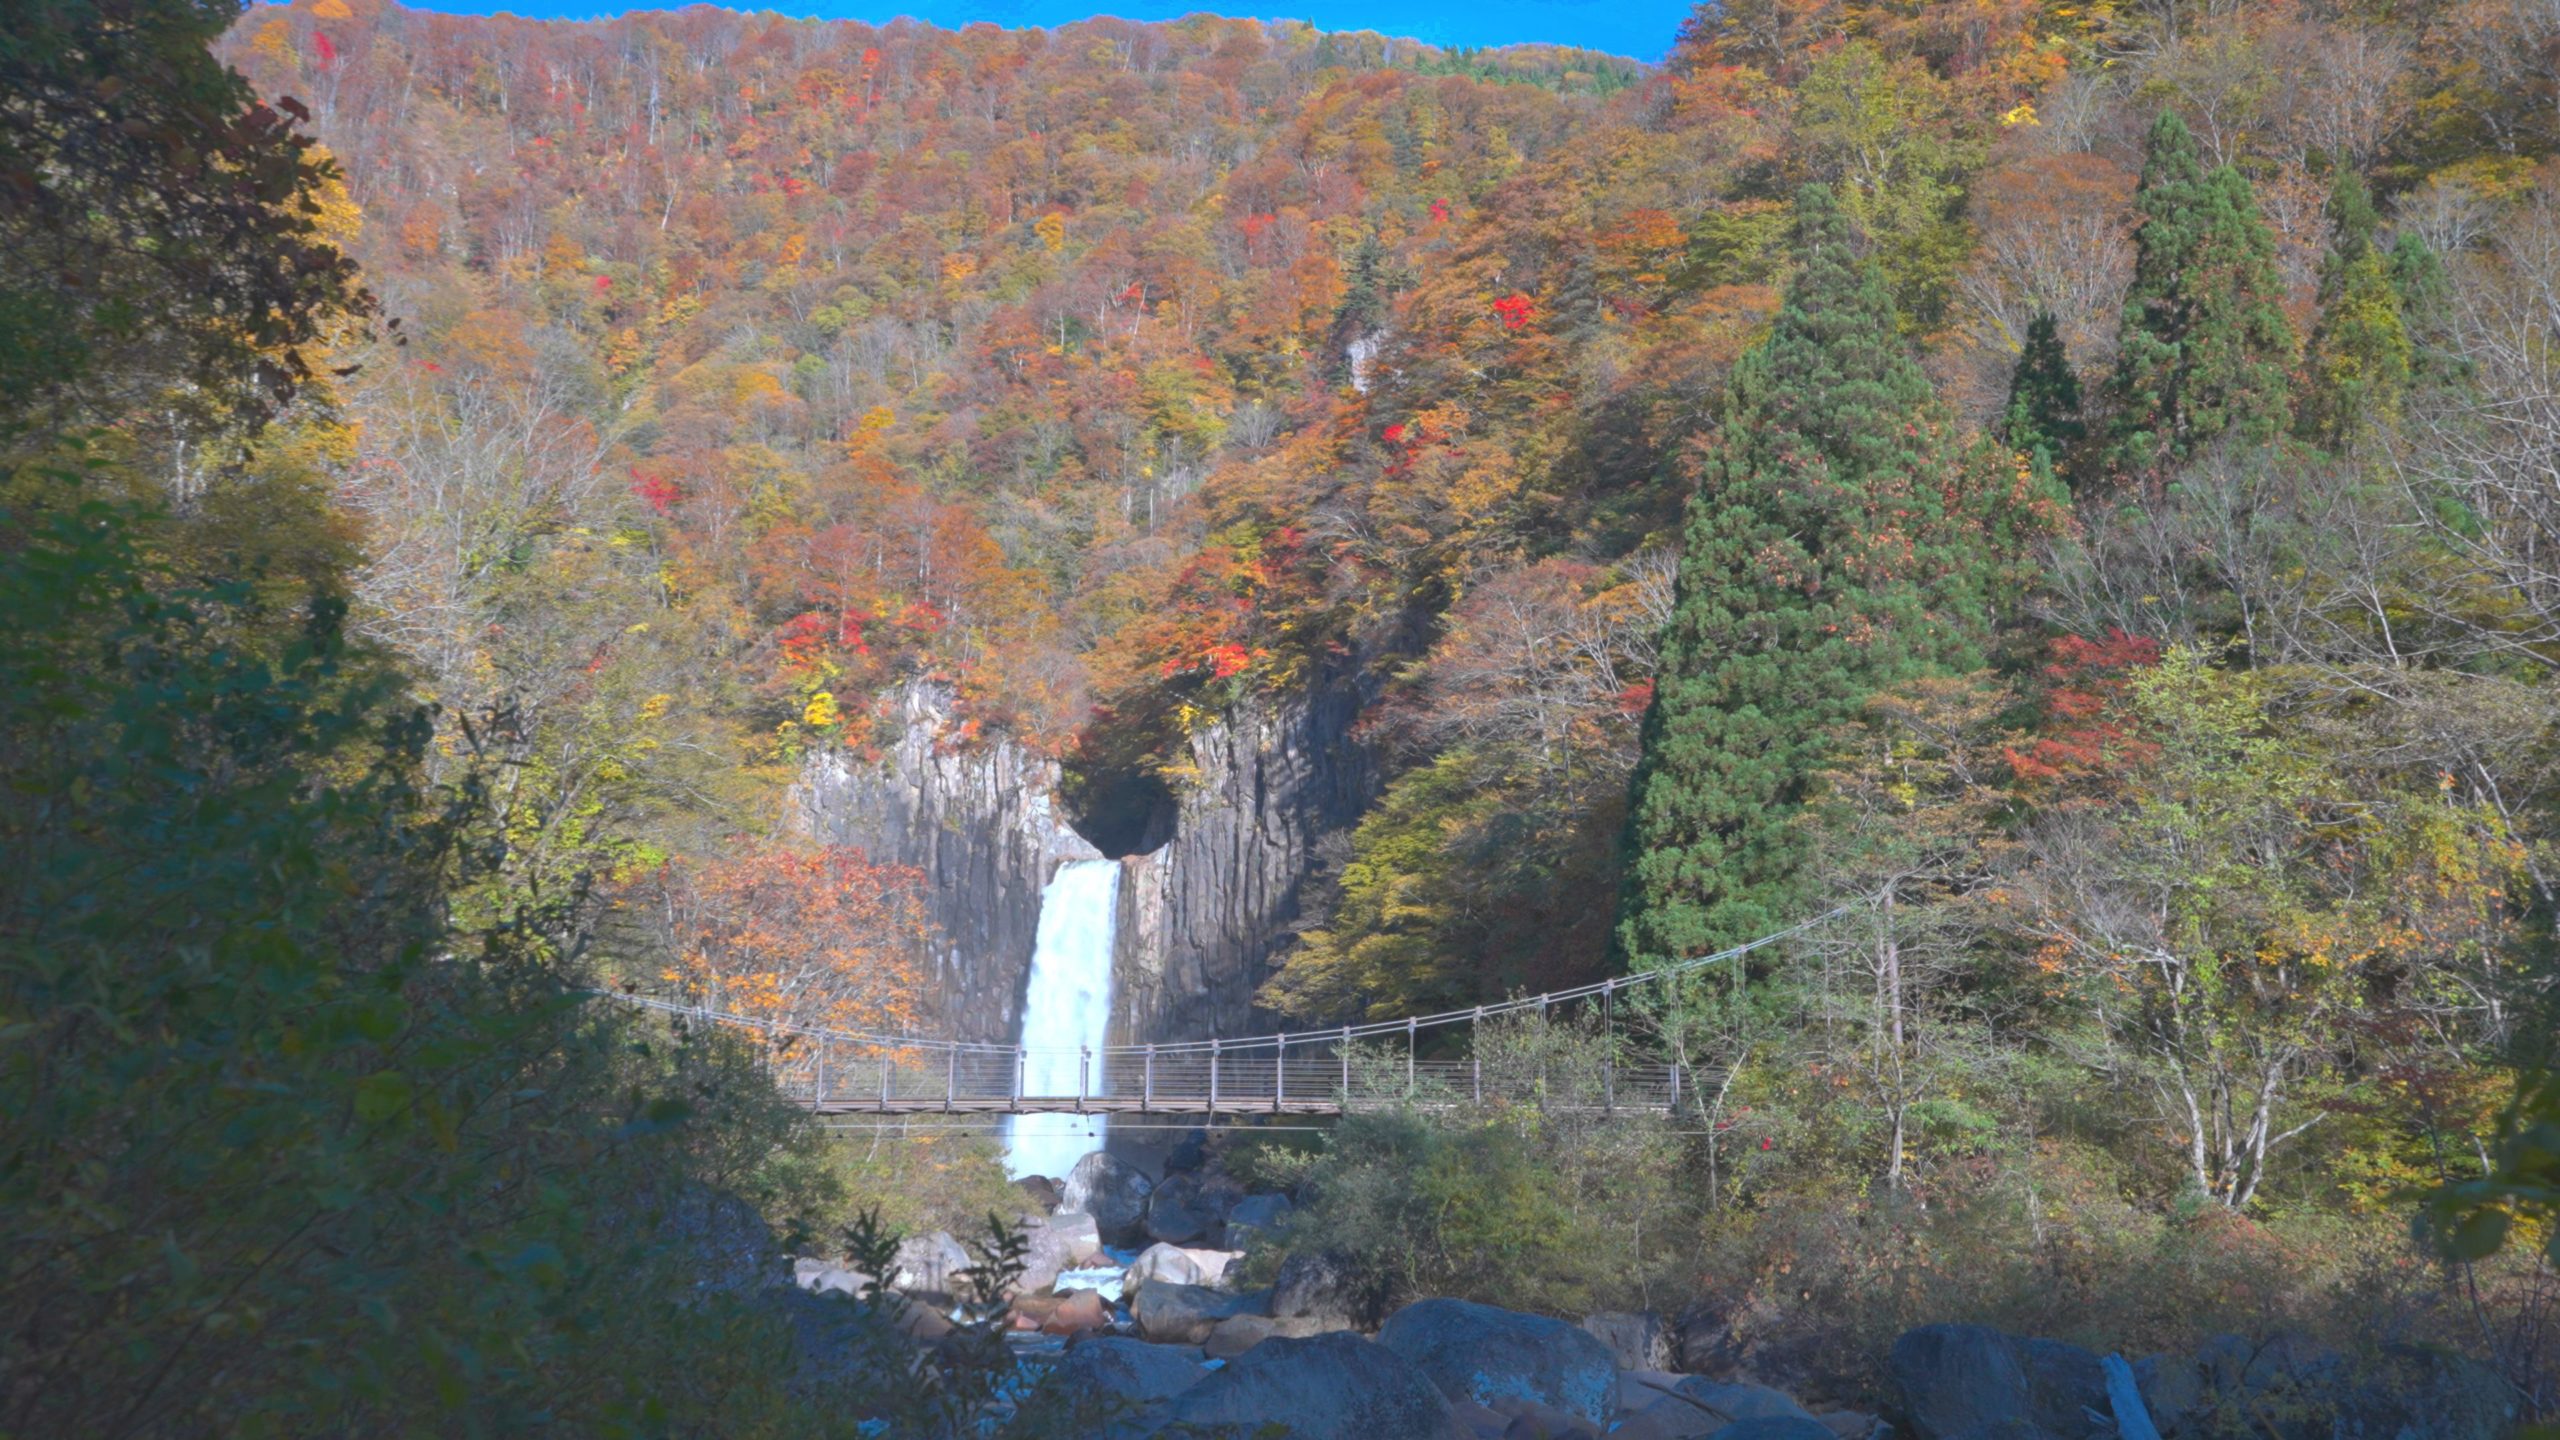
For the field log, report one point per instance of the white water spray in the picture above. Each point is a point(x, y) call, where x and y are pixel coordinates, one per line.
point(1065, 1011)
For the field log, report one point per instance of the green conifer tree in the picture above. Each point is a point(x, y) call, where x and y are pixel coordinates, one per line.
point(2043, 416)
point(2425, 295)
point(1841, 540)
point(2357, 367)
point(2205, 342)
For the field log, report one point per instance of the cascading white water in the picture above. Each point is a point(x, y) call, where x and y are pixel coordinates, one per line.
point(1065, 1011)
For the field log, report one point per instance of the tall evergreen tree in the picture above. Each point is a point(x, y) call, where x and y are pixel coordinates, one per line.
point(2043, 416)
point(2357, 367)
point(2425, 296)
point(1841, 540)
point(2205, 342)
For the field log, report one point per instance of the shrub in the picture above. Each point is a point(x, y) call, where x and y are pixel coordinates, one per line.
point(1550, 1205)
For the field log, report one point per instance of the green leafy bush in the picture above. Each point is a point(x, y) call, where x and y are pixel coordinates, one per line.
point(1550, 1205)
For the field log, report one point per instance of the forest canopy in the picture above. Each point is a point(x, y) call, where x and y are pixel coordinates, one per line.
point(2063, 489)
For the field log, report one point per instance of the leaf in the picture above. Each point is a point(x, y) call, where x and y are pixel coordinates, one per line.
point(382, 1095)
point(2478, 1235)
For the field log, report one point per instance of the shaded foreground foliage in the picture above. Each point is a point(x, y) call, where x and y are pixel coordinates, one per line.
point(287, 1152)
point(311, 1126)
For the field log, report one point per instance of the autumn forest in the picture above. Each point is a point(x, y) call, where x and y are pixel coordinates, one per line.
point(2066, 488)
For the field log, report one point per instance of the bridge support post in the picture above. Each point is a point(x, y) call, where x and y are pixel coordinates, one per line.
point(1608, 1052)
point(1279, 1074)
point(1343, 1047)
point(1412, 1033)
point(1084, 1074)
point(1213, 1078)
point(1147, 1083)
point(1542, 1051)
point(1020, 1060)
point(1475, 1050)
point(950, 1077)
point(822, 1075)
point(888, 1071)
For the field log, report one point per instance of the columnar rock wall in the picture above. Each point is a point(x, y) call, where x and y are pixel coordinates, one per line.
point(1200, 917)
point(981, 822)
point(1203, 917)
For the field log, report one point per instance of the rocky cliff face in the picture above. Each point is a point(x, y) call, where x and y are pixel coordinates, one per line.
point(981, 822)
point(1201, 916)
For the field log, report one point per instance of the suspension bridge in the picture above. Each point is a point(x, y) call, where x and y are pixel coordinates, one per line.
point(1511, 1050)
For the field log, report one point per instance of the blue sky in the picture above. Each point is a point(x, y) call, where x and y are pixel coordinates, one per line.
point(1641, 28)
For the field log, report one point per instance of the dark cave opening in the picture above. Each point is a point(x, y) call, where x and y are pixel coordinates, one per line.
point(1121, 810)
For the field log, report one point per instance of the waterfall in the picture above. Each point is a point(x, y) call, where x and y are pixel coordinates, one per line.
point(1066, 1010)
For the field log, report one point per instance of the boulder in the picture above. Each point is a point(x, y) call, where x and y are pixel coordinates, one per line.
point(1035, 1310)
point(1189, 1155)
point(1637, 1340)
point(2065, 1385)
point(1957, 1380)
point(1113, 1192)
point(2173, 1389)
point(1691, 1407)
point(1327, 1387)
point(1849, 1424)
point(1322, 1285)
point(929, 1264)
point(1476, 1352)
point(1180, 1266)
point(1666, 1420)
point(1177, 1213)
point(1482, 1423)
point(1073, 1313)
point(1078, 1311)
point(1102, 1379)
point(1734, 1401)
point(1648, 1409)
point(1254, 1218)
point(1238, 1333)
point(824, 1277)
point(1776, 1427)
point(1068, 1240)
point(2291, 1386)
point(1131, 1369)
point(921, 1323)
point(1969, 1382)
point(1173, 1314)
point(1531, 1420)
point(1041, 1191)
point(1704, 1342)
point(1219, 1194)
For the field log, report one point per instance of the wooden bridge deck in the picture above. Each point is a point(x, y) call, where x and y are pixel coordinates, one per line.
point(1070, 1105)
point(1246, 1085)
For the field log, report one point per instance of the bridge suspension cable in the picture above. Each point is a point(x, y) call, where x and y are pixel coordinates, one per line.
point(838, 1070)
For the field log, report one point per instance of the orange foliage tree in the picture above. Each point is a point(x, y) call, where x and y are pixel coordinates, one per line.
point(812, 937)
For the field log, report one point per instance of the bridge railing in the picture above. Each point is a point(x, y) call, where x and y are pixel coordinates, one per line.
point(1350, 1067)
point(1323, 1077)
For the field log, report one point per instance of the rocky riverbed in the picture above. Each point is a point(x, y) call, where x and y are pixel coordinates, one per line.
point(1131, 1321)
